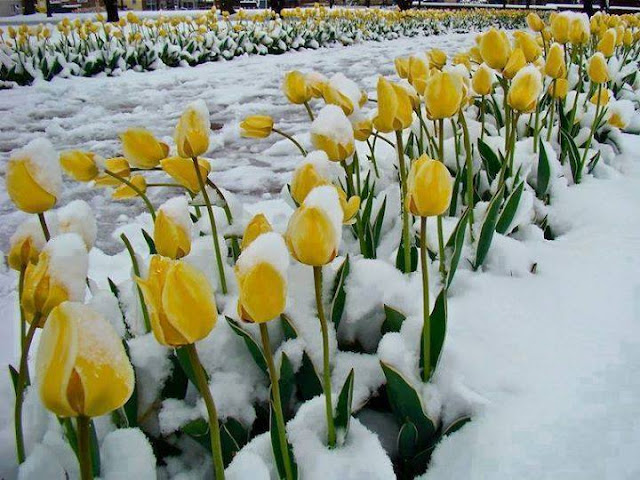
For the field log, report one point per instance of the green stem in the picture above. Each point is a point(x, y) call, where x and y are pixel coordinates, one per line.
point(443, 271)
point(136, 271)
point(277, 401)
point(482, 118)
point(326, 374)
point(23, 322)
point(405, 213)
point(536, 124)
point(84, 448)
point(552, 111)
point(373, 158)
point(214, 229)
point(426, 334)
point(214, 428)
point(349, 178)
point(293, 140)
point(469, 162)
point(227, 212)
point(171, 185)
point(594, 126)
point(43, 224)
point(387, 141)
point(22, 372)
point(309, 111)
point(139, 192)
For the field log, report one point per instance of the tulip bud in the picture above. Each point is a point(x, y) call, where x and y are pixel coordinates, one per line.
point(26, 244)
point(516, 62)
point(394, 107)
point(419, 72)
point(33, 177)
point(316, 83)
point(443, 95)
point(256, 227)
point(579, 29)
point(344, 93)
point(79, 165)
point(528, 45)
point(142, 149)
point(534, 22)
point(602, 98)
point(172, 228)
point(627, 38)
point(182, 308)
point(81, 365)
point(314, 231)
point(402, 66)
point(607, 43)
point(313, 172)
point(349, 207)
point(555, 67)
point(429, 187)
point(474, 55)
point(495, 49)
point(362, 127)
point(295, 87)
point(261, 272)
point(183, 171)
point(437, 58)
point(125, 192)
point(192, 132)
point(559, 88)
point(560, 27)
point(58, 276)
point(482, 80)
point(256, 126)
point(332, 132)
point(620, 113)
point(117, 165)
point(597, 68)
point(525, 90)
point(462, 59)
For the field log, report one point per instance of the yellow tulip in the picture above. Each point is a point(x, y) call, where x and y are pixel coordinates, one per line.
point(306, 177)
point(59, 275)
point(555, 67)
point(182, 308)
point(462, 59)
point(79, 165)
point(618, 120)
point(117, 165)
point(429, 187)
point(516, 62)
point(362, 127)
point(601, 99)
point(561, 88)
point(528, 45)
point(33, 178)
point(607, 43)
point(332, 133)
point(475, 55)
point(313, 234)
point(124, 192)
point(295, 87)
point(560, 27)
point(172, 229)
point(443, 95)
point(597, 68)
point(256, 227)
point(418, 73)
point(183, 171)
point(525, 90)
point(142, 149)
point(437, 58)
point(402, 66)
point(333, 96)
point(627, 38)
point(534, 22)
point(495, 49)
point(81, 365)
point(256, 126)
point(482, 80)
point(192, 132)
point(262, 281)
point(579, 31)
point(394, 107)
point(349, 207)
point(25, 246)
point(316, 83)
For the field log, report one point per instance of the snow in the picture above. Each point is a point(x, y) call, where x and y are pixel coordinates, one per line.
point(266, 248)
point(346, 87)
point(77, 217)
point(68, 263)
point(126, 453)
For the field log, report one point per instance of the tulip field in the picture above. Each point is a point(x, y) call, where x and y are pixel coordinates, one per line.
point(335, 243)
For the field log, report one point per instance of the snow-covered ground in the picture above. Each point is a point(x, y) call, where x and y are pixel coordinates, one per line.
point(548, 362)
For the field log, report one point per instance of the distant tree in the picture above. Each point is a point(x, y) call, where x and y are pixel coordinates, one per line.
point(227, 6)
point(111, 6)
point(588, 7)
point(277, 5)
point(28, 7)
point(404, 4)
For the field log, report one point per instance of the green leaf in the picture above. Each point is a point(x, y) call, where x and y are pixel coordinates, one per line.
point(574, 155)
point(177, 383)
point(593, 162)
point(490, 160)
point(393, 320)
point(407, 406)
point(254, 349)
point(509, 210)
point(339, 293)
point(454, 194)
point(456, 425)
point(286, 380)
point(307, 379)
point(288, 328)
point(488, 227)
point(407, 440)
point(400, 257)
point(14, 378)
point(233, 437)
point(113, 288)
point(456, 240)
point(438, 328)
point(150, 242)
point(377, 224)
point(345, 405)
point(544, 171)
point(274, 431)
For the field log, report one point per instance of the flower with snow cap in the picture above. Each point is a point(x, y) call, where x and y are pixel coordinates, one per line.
point(192, 131)
point(261, 272)
point(26, 243)
point(316, 83)
point(172, 228)
point(77, 217)
point(332, 132)
point(33, 177)
point(620, 113)
point(344, 93)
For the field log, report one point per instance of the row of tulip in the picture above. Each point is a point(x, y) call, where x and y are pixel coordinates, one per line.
point(87, 48)
point(482, 142)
